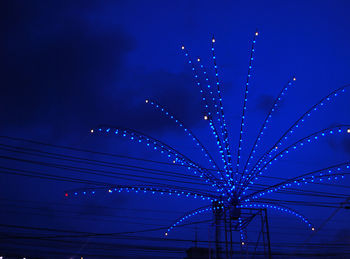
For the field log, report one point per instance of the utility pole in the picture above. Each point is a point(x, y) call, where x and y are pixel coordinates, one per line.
point(218, 218)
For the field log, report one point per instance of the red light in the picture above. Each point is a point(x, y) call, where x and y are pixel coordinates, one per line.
point(66, 194)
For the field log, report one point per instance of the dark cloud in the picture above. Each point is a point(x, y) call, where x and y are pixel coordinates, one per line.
point(64, 70)
point(341, 237)
point(94, 207)
point(176, 92)
point(346, 145)
point(56, 66)
point(265, 103)
point(339, 143)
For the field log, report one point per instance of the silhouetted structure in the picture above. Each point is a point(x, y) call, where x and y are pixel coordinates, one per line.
point(198, 253)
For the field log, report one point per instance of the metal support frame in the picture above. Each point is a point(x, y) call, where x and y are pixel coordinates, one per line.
point(225, 224)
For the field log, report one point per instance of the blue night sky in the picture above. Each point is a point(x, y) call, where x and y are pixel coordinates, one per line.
point(69, 66)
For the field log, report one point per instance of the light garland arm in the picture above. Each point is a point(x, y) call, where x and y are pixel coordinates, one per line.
point(279, 208)
point(245, 102)
point(209, 115)
point(327, 173)
point(189, 215)
point(301, 119)
point(300, 143)
point(163, 149)
point(266, 121)
point(175, 191)
point(221, 115)
point(187, 131)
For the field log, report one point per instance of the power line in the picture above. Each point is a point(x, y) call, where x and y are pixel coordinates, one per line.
point(119, 156)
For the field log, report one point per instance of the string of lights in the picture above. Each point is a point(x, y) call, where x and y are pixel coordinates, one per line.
point(265, 123)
